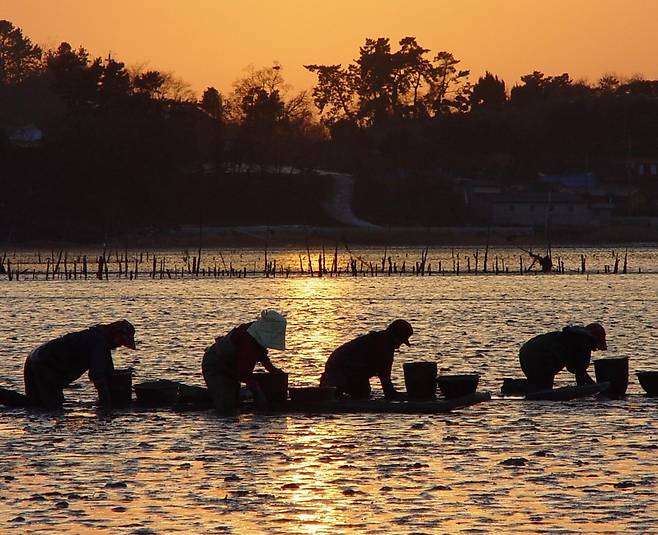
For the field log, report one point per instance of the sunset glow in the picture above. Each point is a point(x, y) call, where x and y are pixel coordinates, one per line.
point(210, 42)
point(345, 266)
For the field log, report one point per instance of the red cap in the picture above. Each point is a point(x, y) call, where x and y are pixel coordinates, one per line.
point(598, 332)
point(402, 330)
point(122, 333)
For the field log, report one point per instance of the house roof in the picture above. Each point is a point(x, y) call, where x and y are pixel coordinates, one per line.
point(539, 198)
point(26, 135)
point(580, 180)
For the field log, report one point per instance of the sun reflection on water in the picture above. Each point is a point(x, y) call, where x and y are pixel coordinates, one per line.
point(312, 475)
point(588, 466)
point(313, 313)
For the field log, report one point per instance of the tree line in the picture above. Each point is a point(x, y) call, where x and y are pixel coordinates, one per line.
point(128, 146)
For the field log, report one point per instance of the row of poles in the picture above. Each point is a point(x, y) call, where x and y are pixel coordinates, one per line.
point(148, 265)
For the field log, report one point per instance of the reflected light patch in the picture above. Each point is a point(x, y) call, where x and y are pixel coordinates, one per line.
point(312, 317)
point(315, 476)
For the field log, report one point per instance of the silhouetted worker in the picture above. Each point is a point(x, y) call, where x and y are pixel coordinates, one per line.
point(350, 367)
point(232, 358)
point(545, 355)
point(544, 261)
point(54, 365)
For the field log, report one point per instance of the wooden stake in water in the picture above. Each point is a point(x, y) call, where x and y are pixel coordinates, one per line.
point(310, 261)
point(265, 268)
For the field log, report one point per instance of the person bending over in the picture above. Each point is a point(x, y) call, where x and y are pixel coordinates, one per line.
point(57, 363)
point(232, 358)
point(350, 366)
point(545, 355)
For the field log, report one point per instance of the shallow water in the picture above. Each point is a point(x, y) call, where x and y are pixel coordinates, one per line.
point(585, 466)
point(173, 263)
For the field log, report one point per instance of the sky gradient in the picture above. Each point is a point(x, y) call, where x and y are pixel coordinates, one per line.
point(210, 42)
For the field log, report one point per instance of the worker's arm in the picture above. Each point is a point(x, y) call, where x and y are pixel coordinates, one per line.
point(101, 369)
point(389, 390)
point(267, 364)
point(577, 363)
point(385, 378)
point(580, 371)
point(102, 385)
point(583, 378)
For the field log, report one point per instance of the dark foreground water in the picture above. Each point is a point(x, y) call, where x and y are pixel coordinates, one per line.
point(584, 466)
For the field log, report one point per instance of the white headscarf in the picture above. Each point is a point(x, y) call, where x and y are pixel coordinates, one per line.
point(269, 330)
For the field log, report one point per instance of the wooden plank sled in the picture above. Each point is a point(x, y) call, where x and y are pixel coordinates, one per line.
point(374, 406)
point(11, 398)
point(340, 406)
point(527, 390)
point(567, 393)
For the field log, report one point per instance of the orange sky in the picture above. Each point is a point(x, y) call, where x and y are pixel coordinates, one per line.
point(210, 42)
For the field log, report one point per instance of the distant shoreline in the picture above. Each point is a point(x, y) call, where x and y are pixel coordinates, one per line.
point(299, 236)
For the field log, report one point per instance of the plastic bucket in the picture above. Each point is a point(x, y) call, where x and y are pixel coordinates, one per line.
point(420, 379)
point(614, 371)
point(273, 385)
point(121, 387)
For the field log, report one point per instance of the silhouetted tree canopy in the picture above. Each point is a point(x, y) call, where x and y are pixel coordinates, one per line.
point(334, 95)
point(19, 58)
point(383, 84)
point(114, 81)
point(149, 84)
point(488, 93)
point(132, 147)
point(268, 121)
point(211, 103)
point(75, 77)
point(608, 83)
point(538, 88)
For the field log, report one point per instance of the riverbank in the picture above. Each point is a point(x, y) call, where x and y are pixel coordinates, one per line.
point(300, 236)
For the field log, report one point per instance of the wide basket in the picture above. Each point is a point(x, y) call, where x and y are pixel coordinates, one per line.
point(273, 385)
point(191, 394)
point(649, 382)
point(157, 393)
point(455, 386)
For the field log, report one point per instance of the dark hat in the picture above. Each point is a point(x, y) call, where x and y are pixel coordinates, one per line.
point(402, 330)
point(598, 332)
point(122, 332)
